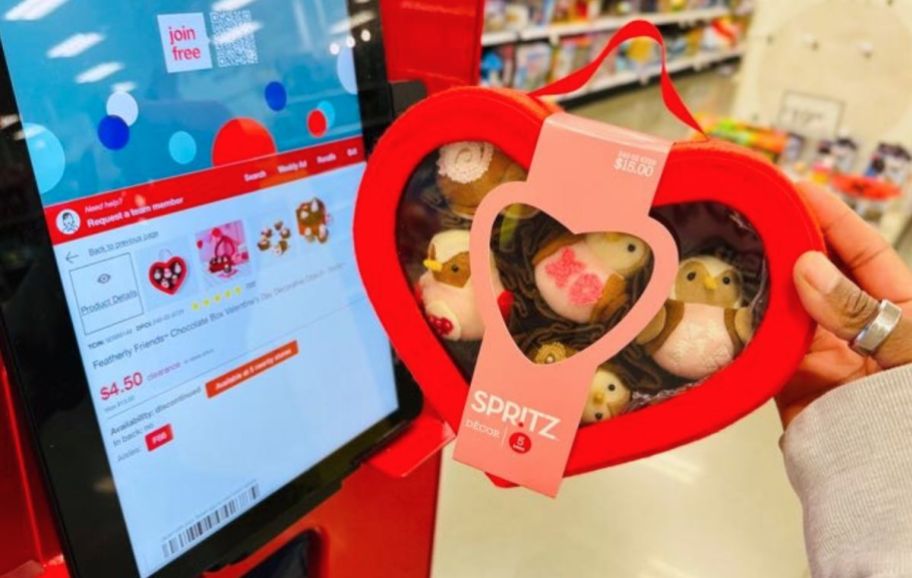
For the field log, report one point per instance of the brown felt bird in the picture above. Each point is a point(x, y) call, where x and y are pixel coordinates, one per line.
point(704, 324)
point(467, 171)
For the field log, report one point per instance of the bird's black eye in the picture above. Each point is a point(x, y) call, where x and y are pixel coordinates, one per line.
point(611, 387)
point(631, 248)
point(691, 276)
point(599, 416)
point(454, 268)
point(727, 280)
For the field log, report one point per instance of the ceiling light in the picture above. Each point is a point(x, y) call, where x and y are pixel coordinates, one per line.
point(8, 120)
point(346, 24)
point(32, 9)
point(99, 72)
point(228, 5)
point(74, 45)
point(123, 86)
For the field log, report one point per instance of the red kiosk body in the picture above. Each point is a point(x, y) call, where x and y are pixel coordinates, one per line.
point(381, 523)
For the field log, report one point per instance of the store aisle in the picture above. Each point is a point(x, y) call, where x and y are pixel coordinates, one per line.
point(719, 508)
point(710, 92)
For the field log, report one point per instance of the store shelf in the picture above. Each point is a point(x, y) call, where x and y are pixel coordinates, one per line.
point(633, 77)
point(599, 25)
point(501, 37)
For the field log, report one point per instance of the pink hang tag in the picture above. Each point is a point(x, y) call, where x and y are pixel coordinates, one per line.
point(521, 418)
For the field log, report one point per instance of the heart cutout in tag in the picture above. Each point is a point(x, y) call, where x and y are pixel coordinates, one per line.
point(570, 154)
point(585, 283)
point(168, 276)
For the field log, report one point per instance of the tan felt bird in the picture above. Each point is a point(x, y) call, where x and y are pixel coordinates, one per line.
point(609, 394)
point(704, 324)
point(584, 277)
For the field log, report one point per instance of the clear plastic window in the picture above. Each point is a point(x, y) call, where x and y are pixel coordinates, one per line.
point(560, 292)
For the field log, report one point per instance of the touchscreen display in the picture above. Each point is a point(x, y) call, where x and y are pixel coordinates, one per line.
point(197, 163)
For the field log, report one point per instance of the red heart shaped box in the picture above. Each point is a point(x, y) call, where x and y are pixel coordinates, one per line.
point(169, 264)
point(696, 171)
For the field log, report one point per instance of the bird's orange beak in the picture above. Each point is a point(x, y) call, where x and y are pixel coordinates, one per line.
point(433, 265)
point(710, 283)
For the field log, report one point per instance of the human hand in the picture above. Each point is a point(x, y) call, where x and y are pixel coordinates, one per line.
point(843, 303)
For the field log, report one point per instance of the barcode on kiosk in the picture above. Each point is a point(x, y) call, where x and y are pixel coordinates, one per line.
point(206, 524)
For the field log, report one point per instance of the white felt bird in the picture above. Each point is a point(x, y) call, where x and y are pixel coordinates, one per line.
point(704, 324)
point(446, 292)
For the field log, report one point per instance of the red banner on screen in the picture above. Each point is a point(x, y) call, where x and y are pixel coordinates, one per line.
point(107, 211)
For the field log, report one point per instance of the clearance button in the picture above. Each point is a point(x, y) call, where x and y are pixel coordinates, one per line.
point(159, 437)
point(251, 369)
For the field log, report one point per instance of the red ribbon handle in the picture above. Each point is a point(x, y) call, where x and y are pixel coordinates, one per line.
point(638, 28)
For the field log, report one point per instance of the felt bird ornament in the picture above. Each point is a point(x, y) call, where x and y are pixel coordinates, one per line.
point(608, 396)
point(583, 278)
point(608, 393)
point(445, 289)
point(467, 171)
point(552, 352)
point(704, 324)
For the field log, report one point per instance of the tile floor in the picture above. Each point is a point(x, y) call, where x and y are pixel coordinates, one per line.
point(719, 508)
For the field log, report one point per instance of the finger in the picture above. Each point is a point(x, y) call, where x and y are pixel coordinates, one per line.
point(866, 254)
point(844, 309)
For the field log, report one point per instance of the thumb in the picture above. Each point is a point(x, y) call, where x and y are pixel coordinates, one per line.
point(844, 309)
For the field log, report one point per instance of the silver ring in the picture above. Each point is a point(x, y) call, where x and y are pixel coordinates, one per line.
point(878, 329)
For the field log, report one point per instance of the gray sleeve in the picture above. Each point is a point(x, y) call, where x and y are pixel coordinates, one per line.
point(849, 458)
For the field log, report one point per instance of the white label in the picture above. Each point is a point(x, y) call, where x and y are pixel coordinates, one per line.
point(810, 115)
point(184, 41)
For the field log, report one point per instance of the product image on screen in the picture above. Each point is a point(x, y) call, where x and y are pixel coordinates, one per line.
point(197, 164)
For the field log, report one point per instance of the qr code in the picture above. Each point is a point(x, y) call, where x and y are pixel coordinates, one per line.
point(233, 34)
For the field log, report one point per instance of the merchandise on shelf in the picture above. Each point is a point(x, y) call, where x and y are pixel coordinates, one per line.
point(571, 53)
point(575, 10)
point(608, 67)
point(517, 16)
point(768, 141)
point(553, 37)
point(890, 163)
point(676, 45)
point(838, 155)
point(533, 65)
point(520, 14)
point(495, 18)
point(721, 34)
point(694, 38)
point(621, 7)
point(541, 12)
point(869, 196)
point(794, 149)
point(498, 65)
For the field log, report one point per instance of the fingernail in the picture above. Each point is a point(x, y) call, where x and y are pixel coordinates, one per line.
point(819, 272)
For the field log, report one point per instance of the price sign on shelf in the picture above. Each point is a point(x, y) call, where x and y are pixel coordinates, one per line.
point(810, 115)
